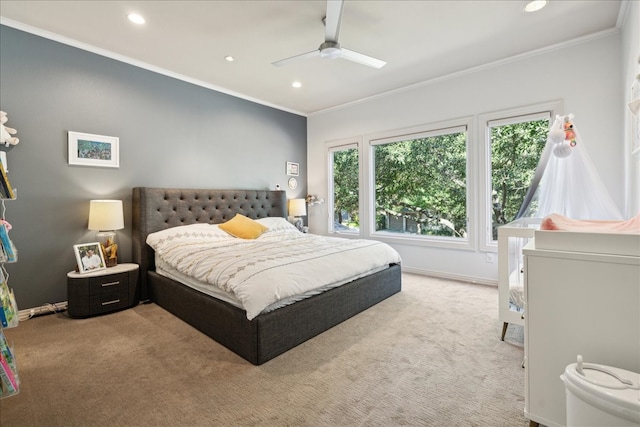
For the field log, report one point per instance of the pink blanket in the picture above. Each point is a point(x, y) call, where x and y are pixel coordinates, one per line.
point(562, 223)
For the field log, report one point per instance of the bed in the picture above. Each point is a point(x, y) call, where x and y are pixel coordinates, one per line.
point(270, 333)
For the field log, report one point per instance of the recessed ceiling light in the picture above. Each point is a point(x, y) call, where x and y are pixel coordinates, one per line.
point(296, 84)
point(136, 19)
point(229, 58)
point(535, 5)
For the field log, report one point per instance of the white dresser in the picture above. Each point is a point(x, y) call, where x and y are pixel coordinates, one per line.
point(582, 293)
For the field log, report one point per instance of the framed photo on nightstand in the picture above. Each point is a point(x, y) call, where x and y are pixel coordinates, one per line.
point(89, 257)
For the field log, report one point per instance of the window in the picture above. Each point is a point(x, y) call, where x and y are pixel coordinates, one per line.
point(516, 146)
point(433, 185)
point(513, 144)
point(344, 181)
point(420, 184)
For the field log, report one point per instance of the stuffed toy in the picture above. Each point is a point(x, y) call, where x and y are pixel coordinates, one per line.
point(569, 133)
point(563, 136)
point(6, 132)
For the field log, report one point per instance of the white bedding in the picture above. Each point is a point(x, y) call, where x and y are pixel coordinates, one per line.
point(280, 266)
point(164, 269)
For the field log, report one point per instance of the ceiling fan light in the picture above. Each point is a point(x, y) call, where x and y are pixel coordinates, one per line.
point(330, 49)
point(534, 6)
point(330, 52)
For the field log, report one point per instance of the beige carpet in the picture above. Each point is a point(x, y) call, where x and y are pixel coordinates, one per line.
point(429, 356)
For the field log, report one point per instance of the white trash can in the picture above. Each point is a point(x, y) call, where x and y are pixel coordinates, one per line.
point(599, 396)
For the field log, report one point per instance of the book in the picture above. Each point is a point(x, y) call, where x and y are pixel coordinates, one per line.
point(3, 318)
point(8, 306)
point(5, 185)
point(8, 309)
point(3, 159)
point(4, 290)
point(7, 376)
point(7, 245)
point(5, 349)
point(12, 316)
point(9, 382)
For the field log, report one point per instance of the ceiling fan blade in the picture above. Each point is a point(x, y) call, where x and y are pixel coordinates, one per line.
point(296, 58)
point(333, 20)
point(362, 59)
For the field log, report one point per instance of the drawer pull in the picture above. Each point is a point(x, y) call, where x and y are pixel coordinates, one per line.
point(110, 283)
point(115, 301)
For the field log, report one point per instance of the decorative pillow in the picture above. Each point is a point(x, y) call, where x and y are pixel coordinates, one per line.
point(243, 227)
point(276, 223)
point(193, 233)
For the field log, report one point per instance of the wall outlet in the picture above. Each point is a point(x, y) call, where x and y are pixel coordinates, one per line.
point(491, 257)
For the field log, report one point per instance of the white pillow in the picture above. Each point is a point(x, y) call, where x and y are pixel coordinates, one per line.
point(276, 223)
point(194, 232)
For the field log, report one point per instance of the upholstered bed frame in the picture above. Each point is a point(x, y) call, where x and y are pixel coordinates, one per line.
point(269, 334)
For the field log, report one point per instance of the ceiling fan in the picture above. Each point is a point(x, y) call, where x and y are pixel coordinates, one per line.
point(331, 48)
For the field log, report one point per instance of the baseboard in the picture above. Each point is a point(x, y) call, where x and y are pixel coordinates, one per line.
point(28, 313)
point(442, 275)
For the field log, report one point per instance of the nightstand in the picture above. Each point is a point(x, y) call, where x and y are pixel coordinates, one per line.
point(102, 291)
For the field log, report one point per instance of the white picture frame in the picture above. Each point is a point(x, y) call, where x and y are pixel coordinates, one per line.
point(293, 169)
point(86, 149)
point(89, 257)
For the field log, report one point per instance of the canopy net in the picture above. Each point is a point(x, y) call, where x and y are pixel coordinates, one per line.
point(565, 181)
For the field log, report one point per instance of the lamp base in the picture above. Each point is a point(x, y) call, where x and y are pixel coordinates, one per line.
point(107, 240)
point(297, 221)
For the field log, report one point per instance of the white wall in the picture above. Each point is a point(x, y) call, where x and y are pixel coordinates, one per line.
point(585, 76)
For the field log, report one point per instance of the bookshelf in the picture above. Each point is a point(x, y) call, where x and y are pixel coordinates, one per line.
point(9, 380)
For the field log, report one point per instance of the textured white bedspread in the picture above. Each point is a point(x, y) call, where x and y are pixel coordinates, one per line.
point(280, 264)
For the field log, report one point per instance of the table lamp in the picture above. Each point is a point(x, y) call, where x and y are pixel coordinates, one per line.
point(297, 208)
point(106, 216)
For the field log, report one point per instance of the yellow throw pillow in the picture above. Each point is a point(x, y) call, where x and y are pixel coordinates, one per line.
point(243, 227)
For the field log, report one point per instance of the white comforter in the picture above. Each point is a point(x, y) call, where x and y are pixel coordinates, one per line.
point(280, 264)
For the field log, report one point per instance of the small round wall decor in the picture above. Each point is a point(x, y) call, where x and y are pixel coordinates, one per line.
point(293, 183)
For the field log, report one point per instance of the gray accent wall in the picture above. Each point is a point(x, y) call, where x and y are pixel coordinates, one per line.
point(172, 134)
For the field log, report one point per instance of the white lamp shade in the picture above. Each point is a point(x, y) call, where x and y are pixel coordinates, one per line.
point(106, 215)
point(297, 207)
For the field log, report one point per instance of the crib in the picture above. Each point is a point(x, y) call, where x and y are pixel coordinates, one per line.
point(512, 238)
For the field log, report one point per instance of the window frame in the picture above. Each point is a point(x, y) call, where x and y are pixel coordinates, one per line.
point(465, 124)
point(330, 148)
point(485, 122)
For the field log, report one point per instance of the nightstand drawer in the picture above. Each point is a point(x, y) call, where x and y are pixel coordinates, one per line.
point(109, 284)
point(102, 291)
point(108, 301)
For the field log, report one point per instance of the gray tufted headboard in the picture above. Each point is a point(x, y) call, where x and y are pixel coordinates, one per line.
point(156, 209)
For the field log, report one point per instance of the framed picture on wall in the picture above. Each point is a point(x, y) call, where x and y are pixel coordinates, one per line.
point(293, 169)
point(86, 149)
point(89, 257)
